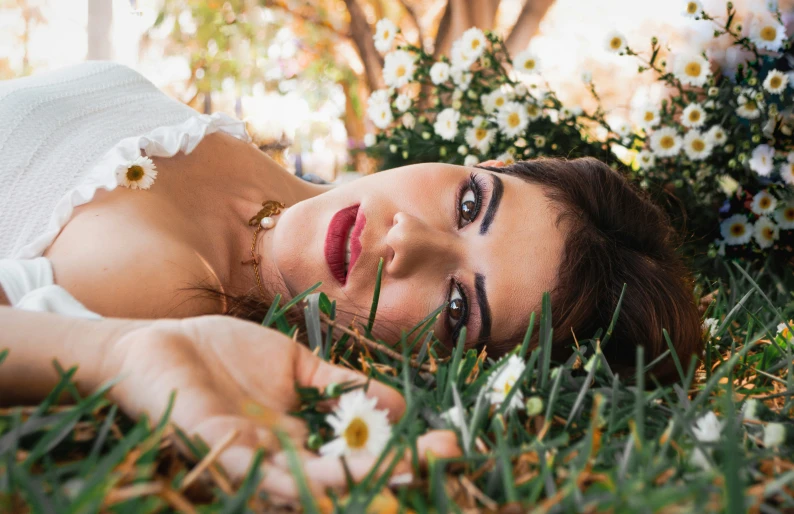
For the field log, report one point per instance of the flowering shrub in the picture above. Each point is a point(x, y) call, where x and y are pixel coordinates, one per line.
point(719, 145)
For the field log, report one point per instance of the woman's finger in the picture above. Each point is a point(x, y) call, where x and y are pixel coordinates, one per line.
point(312, 371)
point(493, 163)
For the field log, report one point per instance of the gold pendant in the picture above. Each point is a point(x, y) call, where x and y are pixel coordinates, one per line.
point(269, 208)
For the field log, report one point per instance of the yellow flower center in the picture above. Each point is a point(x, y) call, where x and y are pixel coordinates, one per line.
point(475, 44)
point(480, 134)
point(764, 203)
point(356, 434)
point(513, 120)
point(750, 105)
point(499, 101)
point(692, 69)
point(667, 142)
point(386, 34)
point(615, 43)
point(698, 145)
point(400, 71)
point(737, 229)
point(649, 116)
point(529, 64)
point(694, 116)
point(775, 82)
point(692, 8)
point(532, 110)
point(769, 233)
point(789, 214)
point(135, 173)
point(769, 33)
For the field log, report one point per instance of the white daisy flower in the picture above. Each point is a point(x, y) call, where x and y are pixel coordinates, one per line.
point(787, 172)
point(379, 110)
point(767, 33)
point(707, 428)
point(471, 160)
point(761, 160)
point(697, 145)
point(750, 408)
point(765, 232)
point(665, 142)
point(454, 417)
point(473, 40)
point(785, 216)
point(691, 69)
point(398, 68)
point(620, 126)
point(736, 230)
point(711, 325)
point(402, 103)
point(446, 125)
point(461, 57)
point(359, 427)
point(137, 174)
point(409, 121)
point(565, 113)
point(533, 111)
point(461, 78)
point(439, 73)
point(647, 117)
point(526, 62)
point(480, 138)
point(504, 379)
point(692, 8)
point(775, 82)
point(512, 119)
point(749, 107)
point(385, 31)
point(774, 435)
point(763, 203)
point(615, 42)
point(694, 115)
point(521, 90)
point(370, 140)
point(507, 158)
point(717, 135)
point(494, 100)
point(646, 159)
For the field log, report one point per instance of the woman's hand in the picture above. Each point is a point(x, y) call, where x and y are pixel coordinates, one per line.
point(231, 375)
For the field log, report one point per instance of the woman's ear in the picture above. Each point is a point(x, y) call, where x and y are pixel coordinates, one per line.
point(493, 163)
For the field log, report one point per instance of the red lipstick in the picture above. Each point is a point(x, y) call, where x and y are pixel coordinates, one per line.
point(345, 223)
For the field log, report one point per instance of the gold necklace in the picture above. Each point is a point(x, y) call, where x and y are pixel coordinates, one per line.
point(262, 220)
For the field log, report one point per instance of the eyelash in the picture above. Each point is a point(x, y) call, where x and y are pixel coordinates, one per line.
point(476, 185)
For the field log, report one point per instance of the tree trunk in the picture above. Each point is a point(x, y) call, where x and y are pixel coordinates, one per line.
point(527, 25)
point(361, 34)
point(460, 15)
point(100, 21)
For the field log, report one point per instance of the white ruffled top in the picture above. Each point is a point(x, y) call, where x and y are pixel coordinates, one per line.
point(165, 127)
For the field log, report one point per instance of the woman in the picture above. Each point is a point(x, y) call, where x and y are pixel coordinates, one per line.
point(487, 242)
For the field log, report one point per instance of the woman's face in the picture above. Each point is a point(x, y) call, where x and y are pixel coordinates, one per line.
point(486, 243)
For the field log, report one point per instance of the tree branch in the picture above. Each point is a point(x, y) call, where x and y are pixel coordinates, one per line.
point(527, 25)
point(361, 34)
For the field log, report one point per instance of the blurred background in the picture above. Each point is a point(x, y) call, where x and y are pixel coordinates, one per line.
point(300, 71)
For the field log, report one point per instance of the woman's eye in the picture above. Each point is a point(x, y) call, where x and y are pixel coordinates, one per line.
point(468, 206)
point(456, 310)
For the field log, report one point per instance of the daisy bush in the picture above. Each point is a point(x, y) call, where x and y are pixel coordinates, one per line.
point(719, 144)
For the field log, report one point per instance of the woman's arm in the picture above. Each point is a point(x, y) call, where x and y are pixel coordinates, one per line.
point(35, 339)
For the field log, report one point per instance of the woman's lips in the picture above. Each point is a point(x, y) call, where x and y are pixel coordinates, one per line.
point(347, 222)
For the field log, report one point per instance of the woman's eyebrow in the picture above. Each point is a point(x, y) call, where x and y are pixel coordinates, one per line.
point(485, 308)
point(496, 198)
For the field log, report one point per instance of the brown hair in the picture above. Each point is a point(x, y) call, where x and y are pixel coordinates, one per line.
point(614, 236)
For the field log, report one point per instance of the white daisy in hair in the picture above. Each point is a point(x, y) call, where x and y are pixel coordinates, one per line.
point(512, 119)
point(507, 158)
point(763, 203)
point(474, 42)
point(697, 145)
point(646, 159)
point(736, 230)
point(359, 427)
point(402, 103)
point(446, 125)
point(693, 116)
point(480, 137)
point(137, 174)
point(385, 31)
point(398, 68)
point(785, 216)
point(749, 107)
point(616, 42)
point(502, 381)
point(692, 8)
point(765, 232)
point(691, 69)
point(787, 172)
point(533, 111)
point(526, 62)
point(767, 33)
point(648, 116)
point(717, 135)
point(665, 142)
point(775, 82)
point(761, 160)
point(439, 73)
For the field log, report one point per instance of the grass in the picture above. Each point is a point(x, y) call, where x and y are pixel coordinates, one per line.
point(588, 440)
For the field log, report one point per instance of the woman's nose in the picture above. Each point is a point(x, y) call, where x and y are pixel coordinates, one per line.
point(417, 245)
